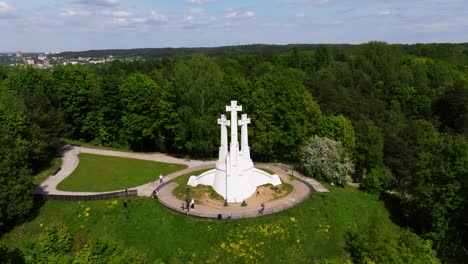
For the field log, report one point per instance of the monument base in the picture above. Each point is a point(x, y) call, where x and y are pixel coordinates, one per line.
point(238, 189)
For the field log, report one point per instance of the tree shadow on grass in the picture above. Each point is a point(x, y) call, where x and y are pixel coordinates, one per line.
point(38, 202)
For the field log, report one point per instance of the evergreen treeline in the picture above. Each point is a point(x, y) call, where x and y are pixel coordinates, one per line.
point(400, 112)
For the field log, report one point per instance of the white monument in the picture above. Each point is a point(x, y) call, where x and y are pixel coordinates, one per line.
point(234, 177)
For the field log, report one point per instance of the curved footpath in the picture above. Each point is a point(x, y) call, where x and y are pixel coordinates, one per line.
point(302, 189)
point(70, 162)
point(303, 186)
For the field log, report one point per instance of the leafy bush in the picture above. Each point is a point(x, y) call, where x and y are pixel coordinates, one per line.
point(55, 246)
point(377, 245)
point(378, 180)
point(327, 157)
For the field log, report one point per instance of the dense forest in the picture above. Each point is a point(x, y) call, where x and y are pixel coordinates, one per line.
point(398, 112)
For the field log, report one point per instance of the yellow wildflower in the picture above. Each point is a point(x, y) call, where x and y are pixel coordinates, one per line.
point(87, 214)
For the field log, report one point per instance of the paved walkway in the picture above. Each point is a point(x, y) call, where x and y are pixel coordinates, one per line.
point(303, 185)
point(70, 162)
point(301, 191)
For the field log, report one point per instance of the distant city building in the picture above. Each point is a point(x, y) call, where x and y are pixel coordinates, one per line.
point(18, 54)
point(29, 62)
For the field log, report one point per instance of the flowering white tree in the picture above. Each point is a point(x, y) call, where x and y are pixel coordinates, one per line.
point(327, 157)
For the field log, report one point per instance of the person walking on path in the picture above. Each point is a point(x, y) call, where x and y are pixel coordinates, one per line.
point(262, 208)
point(187, 204)
point(160, 178)
point(192, 204)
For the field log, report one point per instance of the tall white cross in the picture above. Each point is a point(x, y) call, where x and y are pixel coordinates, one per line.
point(244, 136)
point(234, 108)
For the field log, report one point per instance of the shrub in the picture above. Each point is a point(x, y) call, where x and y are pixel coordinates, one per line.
point(378, 180)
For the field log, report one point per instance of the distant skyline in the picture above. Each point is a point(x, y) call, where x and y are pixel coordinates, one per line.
point(75, 25)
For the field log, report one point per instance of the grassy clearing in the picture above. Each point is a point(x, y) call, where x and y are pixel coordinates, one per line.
point(47, 171)
point(96, 173)
point(313, 230)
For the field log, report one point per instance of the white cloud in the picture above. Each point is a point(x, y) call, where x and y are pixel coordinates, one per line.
point(5, 8)
point(97, 2)
point(197, 11)
point(299, 3)
point(153, 18)
point(198, 17)
point(75, 13)
point(238, 14)
point(157, 17)
point(385, 12)
point(200, 2)
point(120, 21)
point(117, 13)
point(249, 14)
point(300, 14)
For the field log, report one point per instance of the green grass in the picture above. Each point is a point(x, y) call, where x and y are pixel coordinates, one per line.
point(47, 171)
point(97, 173)
point(267, 171)
point(313, 230)
point(293, 177)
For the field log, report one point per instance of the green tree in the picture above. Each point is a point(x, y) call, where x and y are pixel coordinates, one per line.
point(283, 114)
point(374, 244)
point(378, 180)
point(73, 87)
point(338, 128)
point(140, 98)
point(328, 158)
point(20, 145)
point(198, 101)
point(437, 191)
point(34, 87)
point(369, 145)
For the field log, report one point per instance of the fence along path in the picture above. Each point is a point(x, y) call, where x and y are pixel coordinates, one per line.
point(70, 161)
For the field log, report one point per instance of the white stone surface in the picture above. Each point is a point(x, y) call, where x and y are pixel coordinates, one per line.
point(234, 176)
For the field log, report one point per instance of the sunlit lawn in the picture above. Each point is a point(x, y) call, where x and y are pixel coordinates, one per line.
point(97, 173)
point(311, 231)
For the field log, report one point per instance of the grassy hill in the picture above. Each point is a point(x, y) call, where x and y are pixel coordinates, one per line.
point(314, 230)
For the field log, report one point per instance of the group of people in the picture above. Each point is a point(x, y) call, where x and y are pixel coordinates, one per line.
point(188, 204)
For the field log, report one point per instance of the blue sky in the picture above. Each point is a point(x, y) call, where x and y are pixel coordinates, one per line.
point(54, 25)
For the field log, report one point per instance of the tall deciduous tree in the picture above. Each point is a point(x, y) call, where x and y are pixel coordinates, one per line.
point(140, 98)
point(199, 94)
point(283, 115)
point(19, 143)
point(34, 87)
point(74, 85)
point(338, 128)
